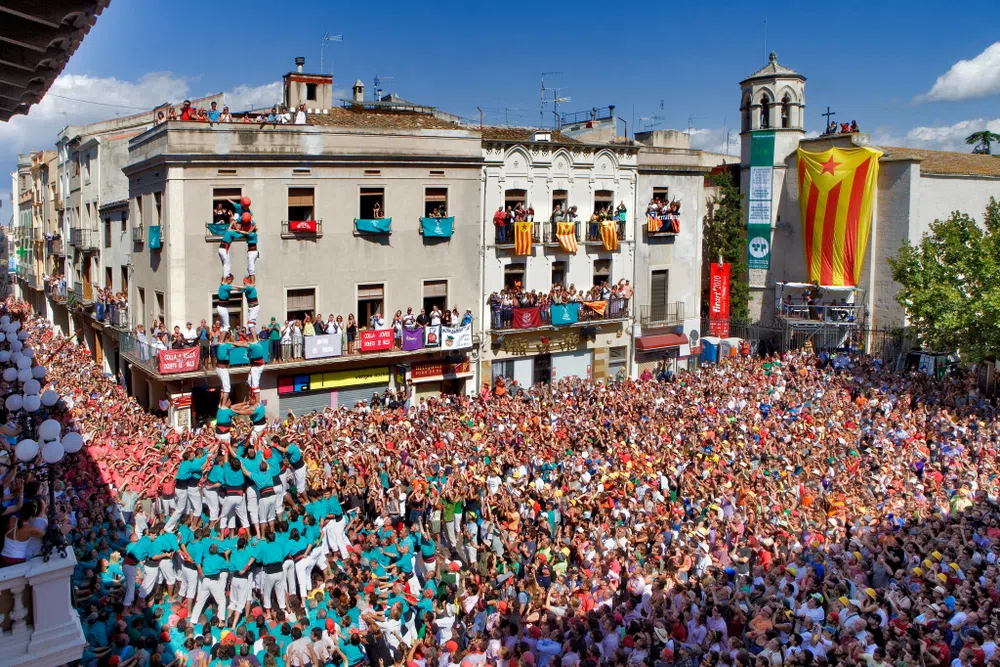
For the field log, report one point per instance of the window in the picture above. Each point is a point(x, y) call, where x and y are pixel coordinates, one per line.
point(109, 278)
point(86, 168)
point(559, 273)
point(602, 271)
point(542, 371)
point(138, 211)
point(663, 194)
point(435, 202)
point(234, 306)
point(658, 284)
point(604, 199)
point(300, 302)
point(161, 307)
point(372, 203)
point(513, 275)
point(786, 111)
point(124, 221)
point(107, 232)
point(560, 198)
point(225, 197)
point(765, 112)
point(311, 92)
point(158, 210)
point(512, 198)
point(371, 299)
point(301, 204)
point(141, 315)
point(435, 294)
point(504, 369)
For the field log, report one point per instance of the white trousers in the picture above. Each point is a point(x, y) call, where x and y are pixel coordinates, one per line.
point(252, 504)
point(335, 537)
point(211, 498)
point(215, 587)
point(255, 373)
point(252, 313)
point(150, 577)
point(275, 582)
point(223, 314)
point(188, 502)
point(267, 509)
point(299, 475)
point(288, 569)
point(189, 582)
point(233, 507)
point(304, 568)
point(227, 265)
point(252, 256)
point(223, 373)
point(239, 592)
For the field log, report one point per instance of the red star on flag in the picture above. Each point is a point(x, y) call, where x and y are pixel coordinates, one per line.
point(829, 166)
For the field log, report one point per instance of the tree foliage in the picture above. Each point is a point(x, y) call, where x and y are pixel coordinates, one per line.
point(982, 141)
point(725, 234)
point(951, 284)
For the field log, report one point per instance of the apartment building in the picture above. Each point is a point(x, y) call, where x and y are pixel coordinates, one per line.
point(344, 204)
point(37, 194)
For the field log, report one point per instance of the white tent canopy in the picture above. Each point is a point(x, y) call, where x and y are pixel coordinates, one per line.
point(828, 288)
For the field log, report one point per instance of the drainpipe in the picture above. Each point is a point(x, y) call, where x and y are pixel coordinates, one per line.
point(483, 346)
point(635, 264)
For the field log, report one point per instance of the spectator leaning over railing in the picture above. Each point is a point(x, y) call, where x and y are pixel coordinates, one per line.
point(503, 303)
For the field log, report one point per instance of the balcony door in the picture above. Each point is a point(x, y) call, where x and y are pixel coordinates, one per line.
point(86, 278)
point(658, 296)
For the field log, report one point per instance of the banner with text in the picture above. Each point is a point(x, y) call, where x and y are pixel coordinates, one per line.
point(179, 361)
point(527, 318)
point(302, 226)
point(376, 340)
point(373, 226)
point(563, 314)
point(760, 198)
point(718, 304)
point(413, 339)
point(441, 228)
point(456, 338)
point(320, 347)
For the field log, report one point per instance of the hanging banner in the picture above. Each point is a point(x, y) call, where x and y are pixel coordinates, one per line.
point(527, 318)
point(566, 313)
point(432, 336)
point(373, 226)
point(438, 227)
point(456, 338)
point(154, 237)
point(609, 235)
point(759, 200)
point(413, 339)
point(179, 361)
point(320, 347)
point(718, 300)
point(522, 237)
point(302, 226)
point(566, 234)
point(376, 340)
point(836, 195)
point(217, 228)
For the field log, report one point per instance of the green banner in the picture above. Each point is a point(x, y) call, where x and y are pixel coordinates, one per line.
point(373, 225)
point(762, 148)
point(759, 199)
point(759, 246)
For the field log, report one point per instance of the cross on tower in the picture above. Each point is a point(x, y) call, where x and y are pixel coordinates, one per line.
point(828, 114)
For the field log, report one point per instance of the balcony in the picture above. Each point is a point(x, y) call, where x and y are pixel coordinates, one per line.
point(83, 294)
point(594, 232)
point(301, 229)
point(56, 291)
point(665, 315)
point(36, 234)
point(112, 315)
point(802, 313)
point(504, 235)
point(138, 234)
point(669, 225)
point(504, 318)
point(55, 247)
point(31, 278)
point(84, 240)
point(44, 627)
point(59, 203)
point(550, 232)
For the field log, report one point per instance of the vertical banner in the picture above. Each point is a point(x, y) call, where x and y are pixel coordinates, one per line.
point(718, 301)
point(760, 199)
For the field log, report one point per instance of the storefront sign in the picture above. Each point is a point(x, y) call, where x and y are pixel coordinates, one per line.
point(320, 347)
point(439, 370)
point(456, 338)
point(179, 361)
point(374, 340)
point(297, 383)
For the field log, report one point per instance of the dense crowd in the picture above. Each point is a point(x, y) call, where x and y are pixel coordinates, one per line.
point(278, 115)
point(762, 512)
point(614, 297)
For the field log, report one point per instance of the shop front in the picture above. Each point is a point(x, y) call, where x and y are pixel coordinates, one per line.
point(303, 393)
point(435, 378)
point(669, 349)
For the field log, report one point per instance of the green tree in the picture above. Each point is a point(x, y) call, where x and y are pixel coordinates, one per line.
point(725, 235)
point(982, 141)
point(950, 283)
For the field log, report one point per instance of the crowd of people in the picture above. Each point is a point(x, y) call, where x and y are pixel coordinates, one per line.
point(278, 115)
point(845, 128)
point(765, 511)
point(503, 303)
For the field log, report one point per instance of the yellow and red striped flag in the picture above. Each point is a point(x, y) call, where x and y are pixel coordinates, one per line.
point(522, 237)
point(653, 223)
point(836, 193)
point(609, 235)
point(566, 233)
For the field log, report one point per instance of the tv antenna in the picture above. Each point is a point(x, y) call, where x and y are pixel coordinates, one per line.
point(379, 80)
point(646, 123)
point(327, 37)
point(691, 120)
point(541, 106)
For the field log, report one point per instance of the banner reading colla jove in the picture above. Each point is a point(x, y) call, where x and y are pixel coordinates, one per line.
point(759, 201)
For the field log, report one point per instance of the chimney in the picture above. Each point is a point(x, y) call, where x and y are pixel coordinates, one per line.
point(359, 91)
point(299, 62)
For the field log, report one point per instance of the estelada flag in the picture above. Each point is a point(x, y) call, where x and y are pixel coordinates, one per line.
point(653, 224)
point(522, 237)
point(836, 193)
point(566, 233)
point(609, 235)
point(597, 306)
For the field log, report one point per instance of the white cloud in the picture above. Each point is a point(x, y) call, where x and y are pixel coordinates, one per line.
point(942, 137)
point(713, 141)
point(245, 97)
point(968, 79)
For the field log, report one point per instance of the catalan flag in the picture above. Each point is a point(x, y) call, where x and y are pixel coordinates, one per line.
point(609, 235)
point(522, 237)
point(836, 193)
point(653, 224)
point(566, 233)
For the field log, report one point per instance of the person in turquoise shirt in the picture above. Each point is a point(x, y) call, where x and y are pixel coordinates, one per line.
point(349, 647)
point(212, 582)
point(186, 487)
point(241, 560)
point(262, 512)
point(164, 546)
point(191, 553)
point(135, 553)
point(212, 490)
point(224, 417)
point(272, 557)
point(233, 503)
point(223, 294)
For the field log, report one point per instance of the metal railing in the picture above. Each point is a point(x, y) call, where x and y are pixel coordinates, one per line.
point(83, 294)
point(84, 239)
point(289, 231)
point(847, 314)
point(55, 246)
point(596, 113)
point(666, 315)
point(594, 231)
point(502, 317)
point(31, 278)
point(56, 291)
point(138, 234)
point(552, 227)
point(112, 314)
point(504, 234)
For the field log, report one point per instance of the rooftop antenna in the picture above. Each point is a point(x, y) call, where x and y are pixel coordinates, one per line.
point(691, 120)
point(506, 114)
point(327, 37)
point(541, 106)
point(763, 52)
point(555, 104)
point(379, 80)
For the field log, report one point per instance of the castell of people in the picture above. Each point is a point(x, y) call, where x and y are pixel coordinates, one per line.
point(437, 335)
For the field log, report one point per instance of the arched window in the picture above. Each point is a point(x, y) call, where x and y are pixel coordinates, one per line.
point(786, 111)
point(765, 112)
point(747, 103)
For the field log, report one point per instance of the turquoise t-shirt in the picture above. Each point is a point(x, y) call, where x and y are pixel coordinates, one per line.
point(224, 417)
point(270, 553)
point(212, 564)
point(240, 558)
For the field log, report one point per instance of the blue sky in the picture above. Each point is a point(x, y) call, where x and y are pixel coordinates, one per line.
point(874, 65)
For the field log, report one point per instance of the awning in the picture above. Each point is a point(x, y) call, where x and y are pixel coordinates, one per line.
point(660, 341)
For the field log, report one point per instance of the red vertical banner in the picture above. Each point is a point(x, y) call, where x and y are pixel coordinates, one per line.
point(718, 301)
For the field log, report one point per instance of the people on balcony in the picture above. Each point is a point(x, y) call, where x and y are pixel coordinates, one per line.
point(503, 303)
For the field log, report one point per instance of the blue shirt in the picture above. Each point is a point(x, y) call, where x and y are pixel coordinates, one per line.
point(251, 238)
point(230, 235)
point(222, 354)
point(259, 415)
point(140, 548)
point(214, 115)
point(240, 558)
point(224, 417)
point(212, 564)
point(225, 291)
point(167, 542)
point(270, 553)
point(234, 478)
point(216, 475)
point(196, 550)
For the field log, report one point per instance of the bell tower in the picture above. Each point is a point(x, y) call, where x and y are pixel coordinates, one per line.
point(773, 98)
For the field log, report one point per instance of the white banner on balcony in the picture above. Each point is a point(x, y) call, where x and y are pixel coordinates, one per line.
point(456, 338)
point(320, 347)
